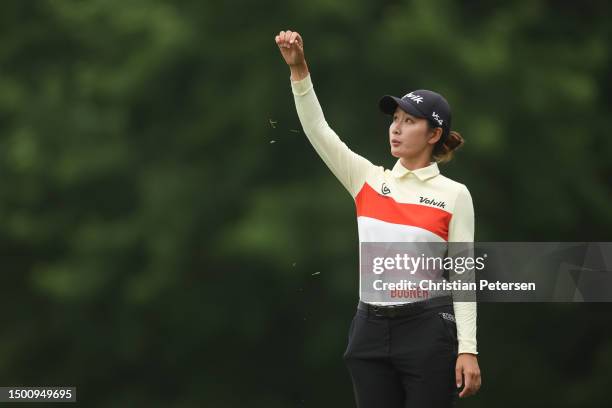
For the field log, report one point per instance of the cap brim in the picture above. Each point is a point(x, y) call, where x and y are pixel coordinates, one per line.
point(388, 103)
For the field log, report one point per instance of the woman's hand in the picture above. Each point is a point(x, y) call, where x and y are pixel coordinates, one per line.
point(292, 49)
point(467, 368)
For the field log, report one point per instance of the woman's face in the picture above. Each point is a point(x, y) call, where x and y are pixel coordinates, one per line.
point(410, 136)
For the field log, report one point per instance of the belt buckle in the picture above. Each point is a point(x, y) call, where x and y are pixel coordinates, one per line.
point(385, 311)
point(378, 311)
point(412, 308)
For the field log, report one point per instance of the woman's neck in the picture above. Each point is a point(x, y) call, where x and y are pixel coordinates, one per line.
point(415, 163)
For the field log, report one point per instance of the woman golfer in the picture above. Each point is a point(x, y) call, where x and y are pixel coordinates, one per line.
point(416, 352)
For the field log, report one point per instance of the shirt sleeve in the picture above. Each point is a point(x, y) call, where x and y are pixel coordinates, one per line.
point(461, 230)
point(349, 167)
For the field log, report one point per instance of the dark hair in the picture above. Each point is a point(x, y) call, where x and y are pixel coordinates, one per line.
point(443, 152)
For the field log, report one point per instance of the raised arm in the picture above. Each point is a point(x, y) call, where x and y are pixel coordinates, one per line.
point(349, 167)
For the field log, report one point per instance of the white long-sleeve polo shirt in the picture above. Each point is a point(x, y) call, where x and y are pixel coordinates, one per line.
point(397, 205)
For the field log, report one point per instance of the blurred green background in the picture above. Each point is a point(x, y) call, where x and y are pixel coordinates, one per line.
point(162, 214)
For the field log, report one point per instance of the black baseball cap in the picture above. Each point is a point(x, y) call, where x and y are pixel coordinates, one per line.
point(422, 104)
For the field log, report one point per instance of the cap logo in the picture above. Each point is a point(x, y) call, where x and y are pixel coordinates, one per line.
point(437, 118)
point(417, 98)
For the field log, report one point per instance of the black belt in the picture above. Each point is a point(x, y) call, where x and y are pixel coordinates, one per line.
point(407, 309)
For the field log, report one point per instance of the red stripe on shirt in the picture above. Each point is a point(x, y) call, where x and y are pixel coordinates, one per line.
point(384, 208)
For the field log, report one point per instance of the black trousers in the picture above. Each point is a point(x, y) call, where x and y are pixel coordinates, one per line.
point(403, 362)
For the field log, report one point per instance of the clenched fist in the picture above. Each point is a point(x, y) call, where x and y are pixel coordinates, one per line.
point(291, 47)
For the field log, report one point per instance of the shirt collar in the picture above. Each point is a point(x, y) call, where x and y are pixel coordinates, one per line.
point(422, 174)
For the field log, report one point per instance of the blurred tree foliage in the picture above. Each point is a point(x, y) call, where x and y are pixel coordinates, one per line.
point(162, 216)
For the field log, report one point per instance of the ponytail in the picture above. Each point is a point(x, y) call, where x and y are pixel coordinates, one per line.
point(443, 152)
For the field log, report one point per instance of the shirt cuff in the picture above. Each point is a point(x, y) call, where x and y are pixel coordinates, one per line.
point(467, 349)
point(302, 86)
